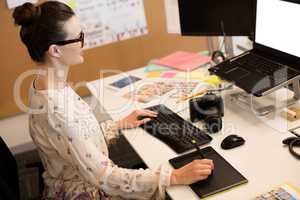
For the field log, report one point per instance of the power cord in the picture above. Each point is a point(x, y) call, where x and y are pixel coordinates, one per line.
point(293, 142)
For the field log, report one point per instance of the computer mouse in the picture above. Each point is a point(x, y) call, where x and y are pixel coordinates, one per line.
point(232, 141)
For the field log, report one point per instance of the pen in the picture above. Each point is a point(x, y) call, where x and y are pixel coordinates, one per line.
point(193, 95)
point(194, 142)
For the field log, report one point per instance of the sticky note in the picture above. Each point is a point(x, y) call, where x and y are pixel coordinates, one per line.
point(197, 75)
point(181, 75)
point(153, 67)
point(192, 75)
point(204, 53)
point(184, 61)
point(153, 74)
point(168, 74)
point(213, 80)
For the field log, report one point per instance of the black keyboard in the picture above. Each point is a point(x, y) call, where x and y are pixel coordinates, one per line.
point(174, 131)
point(254, 73)
point(261, 65)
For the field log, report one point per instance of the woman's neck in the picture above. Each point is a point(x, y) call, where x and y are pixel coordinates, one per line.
point(54, 76)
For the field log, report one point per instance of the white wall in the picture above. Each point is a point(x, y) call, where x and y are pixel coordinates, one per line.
point(15, 131)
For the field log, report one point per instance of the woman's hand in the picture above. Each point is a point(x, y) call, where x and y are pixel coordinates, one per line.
point(192, 172)
point(136, 118)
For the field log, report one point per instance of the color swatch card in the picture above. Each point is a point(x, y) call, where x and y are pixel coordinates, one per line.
point(184, 61)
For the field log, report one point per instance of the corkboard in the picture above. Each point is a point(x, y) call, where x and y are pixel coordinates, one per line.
point(124, 55)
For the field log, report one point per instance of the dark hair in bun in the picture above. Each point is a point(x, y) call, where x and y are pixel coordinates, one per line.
point(26, 14)
point(41, 26)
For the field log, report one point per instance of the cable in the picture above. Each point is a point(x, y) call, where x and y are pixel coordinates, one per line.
point(294, 143)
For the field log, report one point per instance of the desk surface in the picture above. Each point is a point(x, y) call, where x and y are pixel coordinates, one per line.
point(262, 160)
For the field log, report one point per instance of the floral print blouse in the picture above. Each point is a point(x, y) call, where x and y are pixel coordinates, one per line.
point(72, 146)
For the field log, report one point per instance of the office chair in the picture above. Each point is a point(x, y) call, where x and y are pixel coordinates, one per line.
point(9, 175)
point(9, 182)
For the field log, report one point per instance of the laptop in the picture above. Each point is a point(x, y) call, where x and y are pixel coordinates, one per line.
point(274, 61)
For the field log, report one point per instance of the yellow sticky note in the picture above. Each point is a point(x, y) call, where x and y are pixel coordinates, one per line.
point(72, 4)
point(213, 80)
point(153, 74)
point(181, 75)
point(191, 75)
point(197, 75)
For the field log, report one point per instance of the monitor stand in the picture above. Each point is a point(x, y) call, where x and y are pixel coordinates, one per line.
point(249, 102)
point(296, 89)
point(228, 46)
point(260, 108)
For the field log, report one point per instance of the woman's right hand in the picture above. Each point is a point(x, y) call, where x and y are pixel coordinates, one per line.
point(192, 172)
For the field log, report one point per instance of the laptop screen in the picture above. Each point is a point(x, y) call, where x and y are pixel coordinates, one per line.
point(277, 25)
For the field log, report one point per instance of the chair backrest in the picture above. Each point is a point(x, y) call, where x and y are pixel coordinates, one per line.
point(9, 182)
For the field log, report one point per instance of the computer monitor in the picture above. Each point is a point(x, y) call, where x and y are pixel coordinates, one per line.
point(277, 26)
point(217, 17)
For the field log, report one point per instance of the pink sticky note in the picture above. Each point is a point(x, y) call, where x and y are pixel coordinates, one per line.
point(182, 60)
point(168, 74)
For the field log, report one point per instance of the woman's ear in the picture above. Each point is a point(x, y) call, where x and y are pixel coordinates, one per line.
point(54, 51)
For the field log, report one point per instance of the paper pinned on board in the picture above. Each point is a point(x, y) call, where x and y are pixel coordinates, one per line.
point(14, 3)
point(107, 21)
point(172, 16)
point(72, 4)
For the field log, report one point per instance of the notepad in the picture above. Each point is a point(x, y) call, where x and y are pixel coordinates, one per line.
point(224, 176)
point(184, 61)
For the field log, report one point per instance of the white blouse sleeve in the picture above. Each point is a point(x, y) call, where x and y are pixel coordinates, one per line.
point(110, 131)
point(75, 141)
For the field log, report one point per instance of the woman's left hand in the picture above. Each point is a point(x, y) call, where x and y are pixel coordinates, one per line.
point(136, 118)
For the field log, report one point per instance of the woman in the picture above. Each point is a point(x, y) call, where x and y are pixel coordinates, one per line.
point(68, 137)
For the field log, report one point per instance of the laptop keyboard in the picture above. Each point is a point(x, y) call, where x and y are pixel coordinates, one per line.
point(266, 67)
point(174, 131)
point(254, 73)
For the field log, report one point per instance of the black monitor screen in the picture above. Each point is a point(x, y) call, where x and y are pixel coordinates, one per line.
point(217, 17)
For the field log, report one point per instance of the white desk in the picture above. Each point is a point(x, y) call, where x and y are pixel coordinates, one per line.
point(262, 160)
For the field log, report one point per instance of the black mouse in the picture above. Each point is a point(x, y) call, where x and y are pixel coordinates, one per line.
point(232, 141)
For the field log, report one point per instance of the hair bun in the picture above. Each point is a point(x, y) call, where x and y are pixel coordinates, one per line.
point(25, 14)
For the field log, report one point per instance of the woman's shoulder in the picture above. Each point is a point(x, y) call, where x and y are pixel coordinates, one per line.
point(49, 99)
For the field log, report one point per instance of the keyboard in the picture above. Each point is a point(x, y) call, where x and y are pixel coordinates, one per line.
point(174, 131)
point(261, 65)
point(254, 73)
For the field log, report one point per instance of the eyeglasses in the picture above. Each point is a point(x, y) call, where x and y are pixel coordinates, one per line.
point(80, 39)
